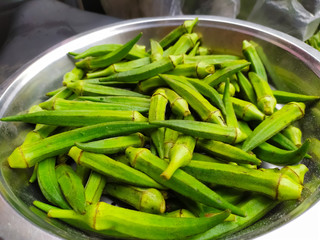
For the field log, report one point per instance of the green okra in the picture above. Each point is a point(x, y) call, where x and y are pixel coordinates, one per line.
point(221, 89)
point(62, 104)
point(135, 101)
point(33, 176)
point(296, 172)
point(194, 50)
point(148, 200)
point(48, 183)
point(210, 59)
point(221, 75)
point(170, 137)
point(71, 187)
point(180, 213)
point(202, 51)
point(96, 81)
point(157, 111)
point(274, 124)
point(109, 58)
point(246, 111)
point(77, 118)
point(113, 145)
point(230, 116)
point(256, 206)
point(156, 50)
point(209, 92)
point(205, 158)
point(55, 91)
point(119, 67)
point(137, 51)
point(114, 171)
point(81, 88)
point(233, 62)
point(246, 88)
point(28, 155)
point(200, 129)
point(266, 102)
point(103, 216)
point(179, 155)
point(183, 45)
point(94, 187)
point(63, 94)
point(286, 97)
point(226, 152)
point(121, 158)
point(147, 71)
point(83, 172)
point(179, 106)
point(181, 182)
point(175, 34)
point(79, 224)
point(277, 156)
point(273, 184)
point(294, 134)
point(206, 111)
point(151, 84)
point(198, 70)
point(250, 53)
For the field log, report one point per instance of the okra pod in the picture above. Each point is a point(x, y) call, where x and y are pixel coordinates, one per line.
point(294, 134)
point(178, 105)
point(205, 158)
point(77, 118)
point(273, 184)
point(135, 101)
point(148, 200)
point(181, 182)
point(274, 124)
point(63, 94)
point(110, 58)
point(226, 152)
point(296, 172)
point(170, 137)
point(256, 207)
point(203, 51)
point(151, 84)
point(94, 187)
point(194, 50)
point(286, 97)
point(266, 102)
point(251, 55)
point(180, 213)
point(113, 145)
point(200, 129)
point(61, 104)
point(156, 51)
point(119, 67)
point(157, 111)
point(221, 75)
point(221, 89)
point(246, 88)
point(28, 155)
point(183, 45)
point(115, 171)
point(277, 156)
point(180, 155)
point(198, 70)
point(48, 183)
point(103, 216)
point(83, 88)
point(175, 34)
point(147, 71)
point(206, 111)
point(209, 92)
point(55, 91)
point(71, 187)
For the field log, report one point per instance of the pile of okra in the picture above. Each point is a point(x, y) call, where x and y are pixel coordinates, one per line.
point(176, 134)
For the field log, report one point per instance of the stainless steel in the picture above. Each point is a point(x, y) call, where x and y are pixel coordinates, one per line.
point(292, 64)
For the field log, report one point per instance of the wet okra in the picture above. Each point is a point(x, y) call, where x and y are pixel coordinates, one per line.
point(176, 124)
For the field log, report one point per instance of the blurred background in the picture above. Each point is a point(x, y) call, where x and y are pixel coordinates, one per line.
point(29, 27)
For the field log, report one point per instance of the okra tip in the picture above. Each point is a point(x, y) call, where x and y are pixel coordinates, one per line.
point(17, 159)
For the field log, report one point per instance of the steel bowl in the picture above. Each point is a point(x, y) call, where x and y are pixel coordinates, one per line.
point(291, 64)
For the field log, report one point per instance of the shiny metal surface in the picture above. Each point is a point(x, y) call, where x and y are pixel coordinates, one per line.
point(292, 65)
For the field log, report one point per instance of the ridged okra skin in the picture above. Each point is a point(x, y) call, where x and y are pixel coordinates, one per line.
point(181, 182)
point(94, 187)
point(286, 97)
point(148, 200)
point(273, 184)
point(103, 216)
point(115, 171)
